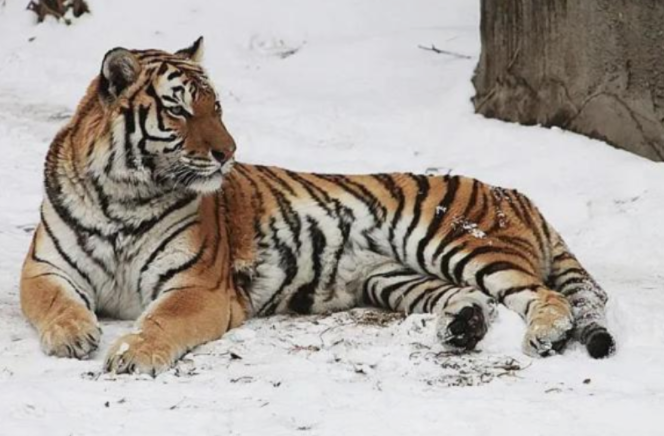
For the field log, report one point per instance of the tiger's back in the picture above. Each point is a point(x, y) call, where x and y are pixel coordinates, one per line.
point(317, 235)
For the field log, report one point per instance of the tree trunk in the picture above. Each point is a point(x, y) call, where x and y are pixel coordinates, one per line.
point(595, 67)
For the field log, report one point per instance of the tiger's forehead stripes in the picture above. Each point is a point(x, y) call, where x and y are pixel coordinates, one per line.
point(177, 87)
point(185, 77)
point(164, 62)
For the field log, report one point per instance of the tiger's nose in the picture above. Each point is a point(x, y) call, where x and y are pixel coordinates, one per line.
point(219, 156)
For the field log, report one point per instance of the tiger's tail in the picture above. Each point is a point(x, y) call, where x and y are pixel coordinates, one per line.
point(587, 298)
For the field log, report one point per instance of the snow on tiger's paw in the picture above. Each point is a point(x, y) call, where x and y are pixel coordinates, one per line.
point(548, 335)
point(550, 324)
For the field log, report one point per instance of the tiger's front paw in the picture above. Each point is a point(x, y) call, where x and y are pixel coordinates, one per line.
point(138, 353)
point(549, 327)
point(73, 333)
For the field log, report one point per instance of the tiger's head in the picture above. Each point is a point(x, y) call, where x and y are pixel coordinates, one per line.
point(164, 118)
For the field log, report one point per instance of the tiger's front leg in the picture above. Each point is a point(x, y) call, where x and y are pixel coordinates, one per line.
point(176, 322)
point(56, 302)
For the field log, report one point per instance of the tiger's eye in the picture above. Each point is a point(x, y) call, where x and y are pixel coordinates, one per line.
point(176, 110)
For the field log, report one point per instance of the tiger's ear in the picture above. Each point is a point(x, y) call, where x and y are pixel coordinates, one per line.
point(194, 52)
point(119, 70)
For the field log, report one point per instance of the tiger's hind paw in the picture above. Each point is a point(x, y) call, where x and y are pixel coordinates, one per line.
point(550, 325)
point(547, 339)
point(462, 330)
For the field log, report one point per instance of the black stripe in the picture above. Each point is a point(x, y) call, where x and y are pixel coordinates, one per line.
point(571, 281)
point(146, 225)
point(436, 295)
point(217, 229)
point(471, 200)
point(370, 294)
point(385, 293)
point(487, 249)
point(303, 298)
point(445, 268)
point(163, 68)
point(521, 243)
point(130, 129)
point(81, 232)
point(560, 257)
point(423, 294)
point(493, 268)
point(534, 228)
point(397, 272)
point(66, 257)
point(512, 196)
point(452, 186)
point(359, 192)
point(422, 183)
point(160, 108)
point(161, 247)
point(170, 273)
point(174, 74)
point(143, 112)
point(104, 202)
point(572, 270)
point(454, 290)
point(54, 194)
point(504, 293)
point(481, 215)
point(287, 262)
point(257, 200)
point(290, 216)
point(335, 210)
point(130, 162)
point(397, 192)
point(275, 178)
point(589, 330)
point(320, 197)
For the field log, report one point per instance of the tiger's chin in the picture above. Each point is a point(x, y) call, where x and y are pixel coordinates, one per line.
point(206, 185)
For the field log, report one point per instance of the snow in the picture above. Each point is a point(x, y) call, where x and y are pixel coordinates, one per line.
point(338, 86)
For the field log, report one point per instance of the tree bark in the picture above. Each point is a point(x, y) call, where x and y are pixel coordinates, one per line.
point(595, 67)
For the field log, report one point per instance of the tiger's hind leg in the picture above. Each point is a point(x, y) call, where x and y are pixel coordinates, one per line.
point(464, 313)
point(547, 313)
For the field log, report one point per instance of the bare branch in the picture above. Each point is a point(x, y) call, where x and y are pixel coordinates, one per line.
point(435, 49)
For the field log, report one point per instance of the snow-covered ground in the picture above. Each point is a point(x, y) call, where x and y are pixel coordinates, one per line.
point(338, 86)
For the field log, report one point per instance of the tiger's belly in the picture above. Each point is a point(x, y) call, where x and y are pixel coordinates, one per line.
point(309, 284)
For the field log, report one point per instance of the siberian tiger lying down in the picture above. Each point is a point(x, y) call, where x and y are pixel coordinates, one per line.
point(146, 216)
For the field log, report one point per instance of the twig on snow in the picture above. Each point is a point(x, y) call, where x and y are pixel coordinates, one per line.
point(437, 50)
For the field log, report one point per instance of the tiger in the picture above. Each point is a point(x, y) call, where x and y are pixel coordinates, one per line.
point(147, 216)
